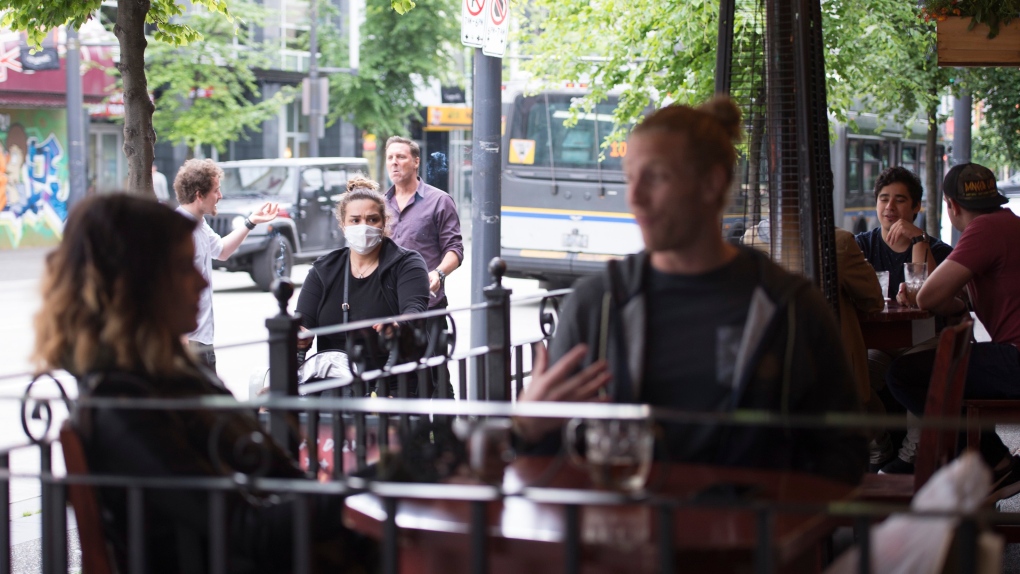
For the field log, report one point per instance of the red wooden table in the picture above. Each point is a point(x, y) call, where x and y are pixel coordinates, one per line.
point(525, 536)
point(897, 327)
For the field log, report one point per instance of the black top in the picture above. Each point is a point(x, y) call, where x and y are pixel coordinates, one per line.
point(398, 285)
point(178, 443)
point(883, 258)
point(693, 337)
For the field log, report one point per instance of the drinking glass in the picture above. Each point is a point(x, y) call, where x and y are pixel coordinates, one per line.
point(914, 275)
point(883, 280)
point(618, 453)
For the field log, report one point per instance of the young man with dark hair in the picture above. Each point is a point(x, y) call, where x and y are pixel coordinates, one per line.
point(986, 263)
point(897, 240)
point(197, 187)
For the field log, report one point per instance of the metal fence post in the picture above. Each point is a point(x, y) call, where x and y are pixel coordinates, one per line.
point(497, 335)
point(283, 330)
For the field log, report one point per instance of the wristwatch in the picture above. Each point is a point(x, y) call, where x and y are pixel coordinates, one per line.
point(922, 238)
point(249, 224)
point(442, 276)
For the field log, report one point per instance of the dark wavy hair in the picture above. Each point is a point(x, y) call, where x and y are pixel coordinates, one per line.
point(104, 288)
point(899, 174)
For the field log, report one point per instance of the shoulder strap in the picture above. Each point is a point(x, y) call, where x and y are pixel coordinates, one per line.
point(347, 281)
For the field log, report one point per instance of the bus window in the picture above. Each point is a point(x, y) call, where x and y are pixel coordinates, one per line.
point(576, 147)
point(909, 159)
point(872, 164)
point(854, 169)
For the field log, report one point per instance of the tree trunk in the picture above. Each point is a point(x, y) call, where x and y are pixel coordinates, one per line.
point(139, 137)
point(933, 202)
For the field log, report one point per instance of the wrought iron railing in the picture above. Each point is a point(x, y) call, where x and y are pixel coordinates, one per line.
point(296, 416)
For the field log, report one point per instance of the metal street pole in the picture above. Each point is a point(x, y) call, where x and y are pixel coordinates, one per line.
point(486, 195)
point(75, 120)
point(314, 111)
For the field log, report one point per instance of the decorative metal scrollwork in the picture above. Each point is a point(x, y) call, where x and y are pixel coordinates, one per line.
point(243, 458)
point(548, 319)
point(37, 410)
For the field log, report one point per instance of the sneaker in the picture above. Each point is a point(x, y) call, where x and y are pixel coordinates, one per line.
point(880, 453)
point(1006, 482)
point(876, 467)
point(898, 466)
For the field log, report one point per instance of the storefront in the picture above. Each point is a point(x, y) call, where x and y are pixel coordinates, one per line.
point(34, 164)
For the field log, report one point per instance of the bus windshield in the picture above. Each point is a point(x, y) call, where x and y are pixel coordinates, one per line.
point(575, 147)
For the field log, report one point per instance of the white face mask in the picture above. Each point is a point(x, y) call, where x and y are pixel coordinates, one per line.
point(362, 238)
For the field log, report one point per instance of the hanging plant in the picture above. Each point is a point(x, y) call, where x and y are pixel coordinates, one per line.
point(992, 13)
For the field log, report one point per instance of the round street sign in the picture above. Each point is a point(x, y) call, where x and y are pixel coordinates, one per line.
point(474, 7)
point(499, 11)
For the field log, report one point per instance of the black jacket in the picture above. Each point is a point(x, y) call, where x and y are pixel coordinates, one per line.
point(403, 277)
point(793, 362)
point(196, 444)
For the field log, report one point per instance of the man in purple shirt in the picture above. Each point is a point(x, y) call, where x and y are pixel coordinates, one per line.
point(425, 220)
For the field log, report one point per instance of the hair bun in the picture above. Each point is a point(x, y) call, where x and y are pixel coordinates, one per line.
point(361, 182)
point(726, 112)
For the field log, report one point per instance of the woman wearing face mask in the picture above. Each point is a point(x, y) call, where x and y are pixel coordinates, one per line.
point(375, 276)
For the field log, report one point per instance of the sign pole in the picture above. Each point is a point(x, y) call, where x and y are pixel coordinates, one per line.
point(486, 197)
point(75, 120)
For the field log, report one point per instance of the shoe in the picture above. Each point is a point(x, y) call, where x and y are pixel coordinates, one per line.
point(1006, 482)
point(899, 466)
point(876, 467)
point(880, 453)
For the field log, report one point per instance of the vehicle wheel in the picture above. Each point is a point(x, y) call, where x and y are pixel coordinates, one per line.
point(276, 261)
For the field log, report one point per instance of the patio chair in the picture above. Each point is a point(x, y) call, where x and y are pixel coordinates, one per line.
point(945, 398)
point(95, 555)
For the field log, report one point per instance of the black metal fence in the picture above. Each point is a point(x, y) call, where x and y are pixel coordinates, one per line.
point(363, 434)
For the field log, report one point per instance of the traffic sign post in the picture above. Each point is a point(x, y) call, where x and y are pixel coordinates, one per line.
point(472, 22)
point(497, 27)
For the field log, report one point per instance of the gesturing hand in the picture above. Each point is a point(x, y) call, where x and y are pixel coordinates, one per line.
point(554, 384)
point(902, 229)
point(265, 213)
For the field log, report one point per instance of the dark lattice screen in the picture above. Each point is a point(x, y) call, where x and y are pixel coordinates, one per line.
point(777, 75)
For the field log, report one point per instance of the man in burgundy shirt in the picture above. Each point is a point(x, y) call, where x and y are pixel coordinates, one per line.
point(986, 261)
point(426, 221)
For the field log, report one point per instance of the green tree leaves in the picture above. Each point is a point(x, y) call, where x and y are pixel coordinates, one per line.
point(398, 53)
point(207, 89)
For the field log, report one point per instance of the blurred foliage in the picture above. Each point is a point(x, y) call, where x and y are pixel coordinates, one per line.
point(207, 91)
point(399, 52)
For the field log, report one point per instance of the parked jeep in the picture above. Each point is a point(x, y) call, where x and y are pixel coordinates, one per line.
point(307, 190)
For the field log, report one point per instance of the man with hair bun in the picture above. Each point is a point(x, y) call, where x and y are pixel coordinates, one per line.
point(699, 324)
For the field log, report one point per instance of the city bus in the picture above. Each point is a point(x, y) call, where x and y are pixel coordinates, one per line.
point(564, 210)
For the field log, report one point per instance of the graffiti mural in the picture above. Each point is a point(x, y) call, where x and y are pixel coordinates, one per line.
point(33, 177)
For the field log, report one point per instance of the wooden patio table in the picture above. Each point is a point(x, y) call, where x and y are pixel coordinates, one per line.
point(526, 534)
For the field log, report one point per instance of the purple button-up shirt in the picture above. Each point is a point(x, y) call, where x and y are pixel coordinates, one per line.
point(429, 224)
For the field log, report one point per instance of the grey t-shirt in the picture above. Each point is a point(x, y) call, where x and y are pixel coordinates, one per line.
point(695, 324)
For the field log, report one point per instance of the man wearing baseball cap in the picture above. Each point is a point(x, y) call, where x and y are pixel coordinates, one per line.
point(985, 262)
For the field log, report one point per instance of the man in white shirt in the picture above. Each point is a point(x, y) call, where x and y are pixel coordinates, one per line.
point(159, 185)
point(197, 187)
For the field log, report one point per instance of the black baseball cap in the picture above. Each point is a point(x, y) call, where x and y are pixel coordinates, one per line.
point(972, 186)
